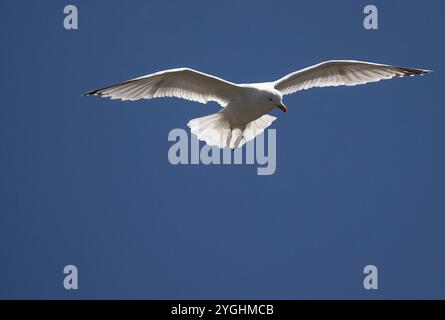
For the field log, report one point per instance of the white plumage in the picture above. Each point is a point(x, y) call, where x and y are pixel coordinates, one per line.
point(246, 106)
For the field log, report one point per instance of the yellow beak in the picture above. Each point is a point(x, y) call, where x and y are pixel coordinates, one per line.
point(282, 107)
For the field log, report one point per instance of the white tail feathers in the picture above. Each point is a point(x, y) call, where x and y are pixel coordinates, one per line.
point(216, 130)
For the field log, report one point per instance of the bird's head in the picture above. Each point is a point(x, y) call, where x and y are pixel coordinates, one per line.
point(275, 98)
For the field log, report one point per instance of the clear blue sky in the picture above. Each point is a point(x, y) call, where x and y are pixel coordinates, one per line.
point(86, 181)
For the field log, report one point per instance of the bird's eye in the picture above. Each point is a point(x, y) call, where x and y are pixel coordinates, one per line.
point(270, 99)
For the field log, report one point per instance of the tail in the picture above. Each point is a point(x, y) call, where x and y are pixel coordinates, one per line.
point(216, 130)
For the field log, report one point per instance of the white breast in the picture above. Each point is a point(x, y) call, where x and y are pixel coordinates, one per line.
point(250, 105)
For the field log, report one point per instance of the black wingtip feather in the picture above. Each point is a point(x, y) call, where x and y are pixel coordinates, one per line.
point(99, 92)
point(413, 72)
point(93, 93)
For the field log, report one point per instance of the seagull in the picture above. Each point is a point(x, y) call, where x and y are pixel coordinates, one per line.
point(245, 107)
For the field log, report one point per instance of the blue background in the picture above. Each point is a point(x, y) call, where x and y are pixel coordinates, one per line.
point(86, 181)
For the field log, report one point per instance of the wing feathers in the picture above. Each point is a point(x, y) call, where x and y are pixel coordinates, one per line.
point(181, 83)
point(339, 73)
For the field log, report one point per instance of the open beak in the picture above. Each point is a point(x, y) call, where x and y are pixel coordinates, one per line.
point(282, 107)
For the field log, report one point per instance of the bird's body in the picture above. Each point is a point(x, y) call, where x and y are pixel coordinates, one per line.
point(246, 106)
point(249, 103)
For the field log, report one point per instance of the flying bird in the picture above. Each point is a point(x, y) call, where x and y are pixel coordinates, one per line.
point(246, 106)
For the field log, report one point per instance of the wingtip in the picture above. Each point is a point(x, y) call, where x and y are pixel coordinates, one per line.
point(425, 71)
point(92, 93)
point(411, 72)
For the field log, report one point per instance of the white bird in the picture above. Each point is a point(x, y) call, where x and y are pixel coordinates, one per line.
point(246, 106)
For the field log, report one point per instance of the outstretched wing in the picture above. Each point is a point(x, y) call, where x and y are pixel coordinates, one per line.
point(341, 73)
point(181, 83)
